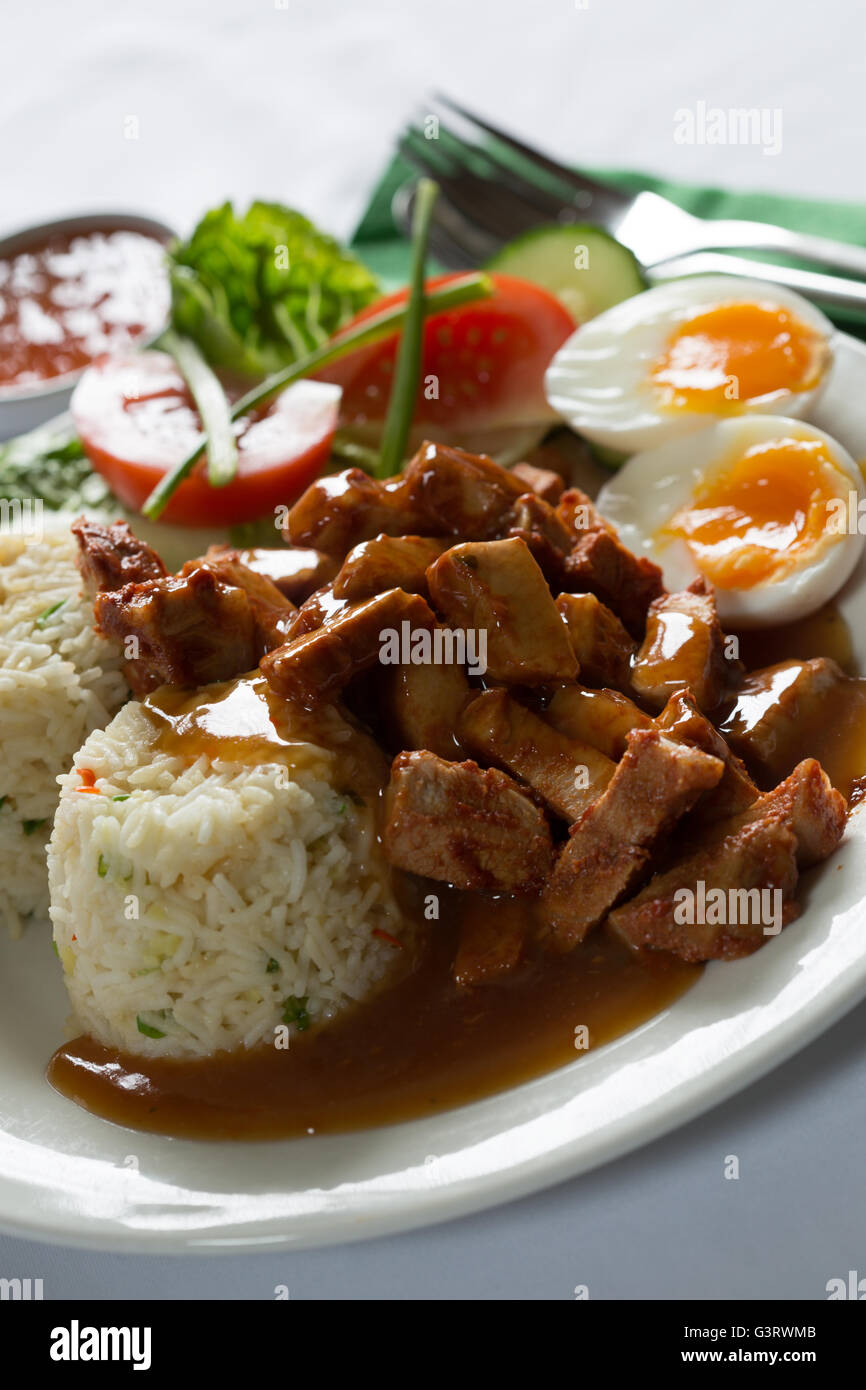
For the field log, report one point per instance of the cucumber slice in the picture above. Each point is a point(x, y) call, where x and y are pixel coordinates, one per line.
point(582, 265)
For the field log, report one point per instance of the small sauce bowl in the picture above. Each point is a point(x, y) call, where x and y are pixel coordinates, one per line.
point(71, 290)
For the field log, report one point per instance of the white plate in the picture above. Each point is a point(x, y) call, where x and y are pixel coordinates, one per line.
point(66, 1176)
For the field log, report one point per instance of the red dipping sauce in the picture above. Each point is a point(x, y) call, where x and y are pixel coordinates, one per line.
point(67, 296)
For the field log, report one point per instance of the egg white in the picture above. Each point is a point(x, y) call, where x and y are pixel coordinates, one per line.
point(643, 496)
point(600, 379)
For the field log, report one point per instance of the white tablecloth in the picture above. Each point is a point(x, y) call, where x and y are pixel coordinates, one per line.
point(300, 100)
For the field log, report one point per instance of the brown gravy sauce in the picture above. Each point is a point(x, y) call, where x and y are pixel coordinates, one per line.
point(421, 1045)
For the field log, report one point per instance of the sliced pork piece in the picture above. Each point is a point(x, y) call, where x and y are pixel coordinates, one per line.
point(109, 557)
point(775, 707)
point(534, 521)
point(346, 508)
point(387, 562)
point(272, 611)
point(599, 564)
point(611, 845)
point(496, 587)
point(544, 482)
point(184, 631)
point(314, 668)
point(474, 829)
point(603, 648)
point(739, 877)
point(682, 721)
point(421, 706)
point(566, 773)
point(459, 494)
point(684, 648)
point(601, 718)
point(808, 803)
point(752, 861)
point(492, 939)
point(579, 514)
point(296, 571)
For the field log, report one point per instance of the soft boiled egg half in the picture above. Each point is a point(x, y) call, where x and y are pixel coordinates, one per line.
point(665, 362)
point(765, 507)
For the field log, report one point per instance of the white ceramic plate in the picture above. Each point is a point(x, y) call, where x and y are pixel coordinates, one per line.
point(68, 1177)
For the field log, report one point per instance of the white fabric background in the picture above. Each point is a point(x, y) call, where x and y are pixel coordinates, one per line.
point(242, 98)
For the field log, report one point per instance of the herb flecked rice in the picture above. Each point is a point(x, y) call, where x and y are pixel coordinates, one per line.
point(198, 904)
point(58, 681)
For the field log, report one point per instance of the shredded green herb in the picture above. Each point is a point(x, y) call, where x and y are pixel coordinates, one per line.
point(31, 826)
point(272, 966)
point(401, 405)
point(121, 798)
point(102, 867)
point(54, 948)
point(43, 617)
point(295, 1011)
point(147, 1029)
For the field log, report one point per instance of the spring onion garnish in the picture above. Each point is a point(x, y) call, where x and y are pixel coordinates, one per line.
point(31, 826)
point(147, 1029)
point(43, 617)
point(101, 867)
point(295, 1011)
point(272, 966)
point(401, 406)
point(464, 290)
point(212, 405)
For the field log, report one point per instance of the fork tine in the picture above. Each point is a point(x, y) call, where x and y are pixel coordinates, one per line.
point(535, 157)
point(482, 204)
point(491, 166)
point(452, 240)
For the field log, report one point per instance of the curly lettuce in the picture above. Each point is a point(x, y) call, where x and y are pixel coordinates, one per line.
point(258, 292)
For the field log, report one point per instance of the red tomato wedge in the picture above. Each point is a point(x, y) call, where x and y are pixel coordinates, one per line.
point(483, 364)
point(137, 420)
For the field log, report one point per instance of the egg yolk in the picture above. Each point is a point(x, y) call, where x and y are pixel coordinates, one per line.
point(736, 353)
point(763, 516)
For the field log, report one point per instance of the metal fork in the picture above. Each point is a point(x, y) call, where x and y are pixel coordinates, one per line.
point(489, 199)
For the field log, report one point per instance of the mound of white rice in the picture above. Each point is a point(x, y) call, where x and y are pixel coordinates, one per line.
point(58, 681)
point(199, 905)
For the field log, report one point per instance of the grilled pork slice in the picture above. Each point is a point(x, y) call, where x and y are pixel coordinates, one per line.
point(599, 564)
point(542, 481)
point(772, 708)
point(491, 942)
point(272, 611)
point(387, 562)
point(601, 718)
point(579, 514)
point(682, 721)
point(534, 521)
point(683, 649)
point(743, 869)
point(315, 667)
point(296, 571)
point(460, 494)
point(474, 829)
point(565, 772)
point(340, 511)
point(496, 587)
point(110, 557)
point(183, 631)
point(611, 845)
point(601, 644)
point(421, 706)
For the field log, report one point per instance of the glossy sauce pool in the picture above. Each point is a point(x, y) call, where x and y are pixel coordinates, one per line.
point(422, 1045)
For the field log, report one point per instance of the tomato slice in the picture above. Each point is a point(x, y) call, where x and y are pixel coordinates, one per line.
point(483, 365)
point(137, 420)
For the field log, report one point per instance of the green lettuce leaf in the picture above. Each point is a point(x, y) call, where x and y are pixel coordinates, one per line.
point(260, 291)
